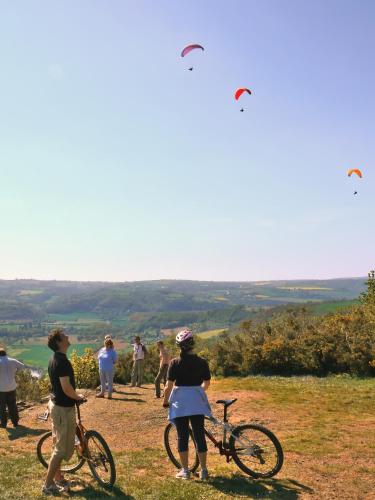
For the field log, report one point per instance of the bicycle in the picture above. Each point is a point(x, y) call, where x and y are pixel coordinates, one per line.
point(253, 447)
point(90, 447)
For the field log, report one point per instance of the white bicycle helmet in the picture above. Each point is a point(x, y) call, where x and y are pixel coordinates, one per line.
point(185, 340)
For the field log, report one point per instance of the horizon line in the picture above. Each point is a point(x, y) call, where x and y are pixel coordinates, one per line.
point(185, 280)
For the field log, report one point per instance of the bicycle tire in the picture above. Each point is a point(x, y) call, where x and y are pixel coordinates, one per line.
point(263, 430)
point(44, 462)
point(94, 435)
point(175, 460)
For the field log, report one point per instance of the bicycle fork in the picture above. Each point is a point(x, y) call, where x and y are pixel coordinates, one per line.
point(250, 447)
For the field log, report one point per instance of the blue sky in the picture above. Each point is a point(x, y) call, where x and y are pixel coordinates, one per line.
point(117, 163)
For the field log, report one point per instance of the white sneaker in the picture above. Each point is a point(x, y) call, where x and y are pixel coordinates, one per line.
point(183, 474)
point(53, 489)
point(63, 484)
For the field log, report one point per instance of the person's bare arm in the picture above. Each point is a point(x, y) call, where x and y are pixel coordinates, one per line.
point(167, 392)
point(68, 389)
point(206, 384)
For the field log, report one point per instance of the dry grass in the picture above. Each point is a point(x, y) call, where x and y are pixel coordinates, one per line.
point(326, 427)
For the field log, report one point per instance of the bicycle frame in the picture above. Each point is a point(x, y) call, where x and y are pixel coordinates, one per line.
point(223, 445)
point(80, 432)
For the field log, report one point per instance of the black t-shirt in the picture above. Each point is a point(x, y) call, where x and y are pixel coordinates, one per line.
point(189, 369)
point(60, 366)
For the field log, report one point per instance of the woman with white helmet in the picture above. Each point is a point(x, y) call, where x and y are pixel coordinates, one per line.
point(185, 396)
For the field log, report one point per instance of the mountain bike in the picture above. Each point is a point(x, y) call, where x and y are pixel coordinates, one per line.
point(90, 447)
point(254, 448)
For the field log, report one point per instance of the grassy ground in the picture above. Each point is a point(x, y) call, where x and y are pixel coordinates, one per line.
point(326, 427)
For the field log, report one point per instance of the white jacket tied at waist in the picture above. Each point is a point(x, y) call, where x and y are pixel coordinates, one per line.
point(188, 400)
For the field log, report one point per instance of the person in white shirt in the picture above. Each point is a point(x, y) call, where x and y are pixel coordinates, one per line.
point(8, 370)
point(138, 360)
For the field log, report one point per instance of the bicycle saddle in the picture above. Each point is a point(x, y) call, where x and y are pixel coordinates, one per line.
point(226, 402)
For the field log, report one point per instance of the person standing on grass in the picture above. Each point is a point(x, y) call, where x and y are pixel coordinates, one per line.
point(163, 367)
point(138, 359)
point(107, 359)
point(185, 396)
point(98, 352)
point(62, 410)
point(8, 398)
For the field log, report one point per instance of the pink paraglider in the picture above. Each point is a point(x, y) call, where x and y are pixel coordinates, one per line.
point(189, 48)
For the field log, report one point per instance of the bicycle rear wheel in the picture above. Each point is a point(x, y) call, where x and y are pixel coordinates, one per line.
point(99, 458)
point(256, 450)
point(44, 451)
point(170, 443)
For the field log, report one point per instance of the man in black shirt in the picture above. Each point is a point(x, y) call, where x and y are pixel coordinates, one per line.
point(62, 409)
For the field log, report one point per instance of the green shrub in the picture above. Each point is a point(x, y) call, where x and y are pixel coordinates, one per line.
point(30, 388)
point(86, 369)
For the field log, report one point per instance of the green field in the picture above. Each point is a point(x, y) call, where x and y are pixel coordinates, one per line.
point(84, 317)
point(330, 307)
point(39, 355)
point(210, 333)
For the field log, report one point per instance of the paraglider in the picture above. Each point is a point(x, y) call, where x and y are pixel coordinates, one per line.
point(354, 171)
point(189, 48)
point(357, 172)
point(239, 93)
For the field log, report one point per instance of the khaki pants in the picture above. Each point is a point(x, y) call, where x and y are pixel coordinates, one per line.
point(137, 372)
point(63, 430)
point(161, 376)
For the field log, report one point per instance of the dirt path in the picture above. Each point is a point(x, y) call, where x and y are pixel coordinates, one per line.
point(134, 421)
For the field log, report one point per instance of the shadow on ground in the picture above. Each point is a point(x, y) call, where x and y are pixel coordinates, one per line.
point(127, 393)
point(137, 400)
point(85, 490)
point(21, 431)
point(277, 489)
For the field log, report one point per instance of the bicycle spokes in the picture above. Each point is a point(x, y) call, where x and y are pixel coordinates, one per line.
point(256, 450)
point(97, 456)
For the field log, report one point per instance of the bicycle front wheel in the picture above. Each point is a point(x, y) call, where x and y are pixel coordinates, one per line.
point(44, 451)
point(170, 443)
point(256, 450)
point(99, 458)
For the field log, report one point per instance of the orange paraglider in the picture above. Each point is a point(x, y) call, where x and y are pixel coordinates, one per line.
point(354, 171)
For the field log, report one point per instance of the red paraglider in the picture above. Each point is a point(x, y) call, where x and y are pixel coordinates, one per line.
point(191, 47)
point(240, 91)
